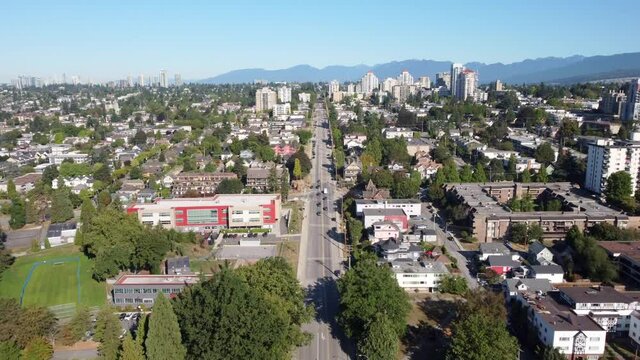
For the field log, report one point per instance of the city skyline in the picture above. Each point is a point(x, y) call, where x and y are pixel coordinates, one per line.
point(108, 42)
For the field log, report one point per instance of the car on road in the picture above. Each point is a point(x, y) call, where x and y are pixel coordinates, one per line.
point(318, 213)
point(324, 208)
point(333, 219)
point(337, 273)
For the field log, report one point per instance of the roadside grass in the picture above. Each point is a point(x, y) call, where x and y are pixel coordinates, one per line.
point(290, 251)
point(295, 221)
point(53, 284)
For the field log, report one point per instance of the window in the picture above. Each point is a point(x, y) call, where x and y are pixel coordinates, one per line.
point(565, 339)
point(165, 214)
point(254, 212)
point(119, 301)
point(202, 216)
point(593, 348)
point(136, 291)
point(594, 339)
point(146, 291)
point(128, 301)
point(165, 222)
point(120, 291)
point(147, 215)
point(179, 212)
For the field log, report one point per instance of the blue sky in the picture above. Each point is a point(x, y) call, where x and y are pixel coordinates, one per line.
point(110, 39)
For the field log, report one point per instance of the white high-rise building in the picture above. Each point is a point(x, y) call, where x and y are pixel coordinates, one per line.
point(388, 84)
point(351, 89)
point(164, 82)
point(405, 78)
point(466, 85)
point(369, 83)
point(177, 80)
point(129, 81)
point(334, 86)
point(141, 80)
point(632, 105)
point(425, 82)
point(606, 157)
point(266, 99)
point(284, 94)
point(456, 70)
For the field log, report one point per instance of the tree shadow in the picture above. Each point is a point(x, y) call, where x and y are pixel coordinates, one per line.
point(427, 340)
point(324, 296)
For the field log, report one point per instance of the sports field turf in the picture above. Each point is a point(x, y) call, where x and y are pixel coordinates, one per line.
point(53, 283)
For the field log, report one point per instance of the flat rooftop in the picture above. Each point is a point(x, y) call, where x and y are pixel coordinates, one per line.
point(221, 199)
point(157, 279)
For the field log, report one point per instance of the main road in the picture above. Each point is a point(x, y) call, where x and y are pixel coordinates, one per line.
point(321, 258)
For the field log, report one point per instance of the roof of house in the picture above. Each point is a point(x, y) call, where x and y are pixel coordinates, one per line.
point(536, 247)
point(56, 229)
point(502, 260)
point(601, 294)
point(494, 248)
point(383, 212)
point(547, 269)
point(533, 285)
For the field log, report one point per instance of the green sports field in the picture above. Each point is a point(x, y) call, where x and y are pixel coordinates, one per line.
point(54, 282)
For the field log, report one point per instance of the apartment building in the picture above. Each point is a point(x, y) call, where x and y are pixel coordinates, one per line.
point(575, 336)
point(607, 156)
point(610, 308)
point(200, 183)
point(489, 218)
point(627, 257)
point(266, 99)
point(219, 211)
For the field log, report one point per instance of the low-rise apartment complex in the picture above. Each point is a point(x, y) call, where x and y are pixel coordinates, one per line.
point(199, 184)
point(489, 217)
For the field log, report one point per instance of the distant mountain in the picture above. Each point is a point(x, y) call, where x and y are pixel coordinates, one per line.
point(550, 69)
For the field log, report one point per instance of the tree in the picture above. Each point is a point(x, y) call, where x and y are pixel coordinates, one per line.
point(61, 206)
point(304, 136)
point(87, 212)
point(131, 349)
point(479, 175)
point(453, 285)
point(367, 290)
point(73, 331)
point(550, 353)
point(18, 213)
point(219, 320)
point(49, 174)
point(38, 349)
point(466, 174)
point(297, 170)
point(545, 154)
point(163, 337)
point(534, 233)
point(11, 190)
point(24, 324)
point(276, 280)
point(355, 227)
point(519, 233)
point(541, 175)
point(135, 173)
point(102, 173)
point(9, 350)
point(140, 138)
point(230, 186)
point(104, 198)
point(107, 333)
point(478, 337)
point(381, 340)
point(525, 177)
point(284, 186)
point(618, 188)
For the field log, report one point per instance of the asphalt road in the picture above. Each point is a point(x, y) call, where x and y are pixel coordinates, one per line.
point(321, 252)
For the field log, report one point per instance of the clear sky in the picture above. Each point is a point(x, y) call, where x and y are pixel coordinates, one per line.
point(111, 39)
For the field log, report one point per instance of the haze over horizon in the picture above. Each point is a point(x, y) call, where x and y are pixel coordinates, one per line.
point(107, 41)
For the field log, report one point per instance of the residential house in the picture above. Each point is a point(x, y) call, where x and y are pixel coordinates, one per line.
point(397, 132)
point(501, 264)
point(24, 183)
point(421, 276)
point(539, 254)
point(396, 216)
point(552, 272)
point(199, 183)
point(352, 170)
point(493, 249)
point(352, 141)
point(178, 265)
point(371, 192)
point(513, 287)
point(412, 207)
point(384, 230)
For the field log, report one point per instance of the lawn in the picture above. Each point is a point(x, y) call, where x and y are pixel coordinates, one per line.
point(297, 210)
point(289, 250)
point(52, 283)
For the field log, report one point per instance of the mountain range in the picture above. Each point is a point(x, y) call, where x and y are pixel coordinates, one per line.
point(552, 70)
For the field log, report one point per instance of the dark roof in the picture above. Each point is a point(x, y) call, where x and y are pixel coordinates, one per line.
point(56, 229)
point(547, 269)
point(601, 294)
point(494, 248)
point(502, 260)
point(177, 263)
point(383, 212)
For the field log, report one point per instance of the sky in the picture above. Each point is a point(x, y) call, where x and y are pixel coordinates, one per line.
point(108, 40)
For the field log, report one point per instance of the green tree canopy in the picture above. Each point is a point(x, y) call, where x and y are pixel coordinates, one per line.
point(478, 337)
point(545, 154)
point(230, 186)
point(163, 337)
point(367, 290)
point(381, 340)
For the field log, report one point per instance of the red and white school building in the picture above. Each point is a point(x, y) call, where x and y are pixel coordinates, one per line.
point(217, 212)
